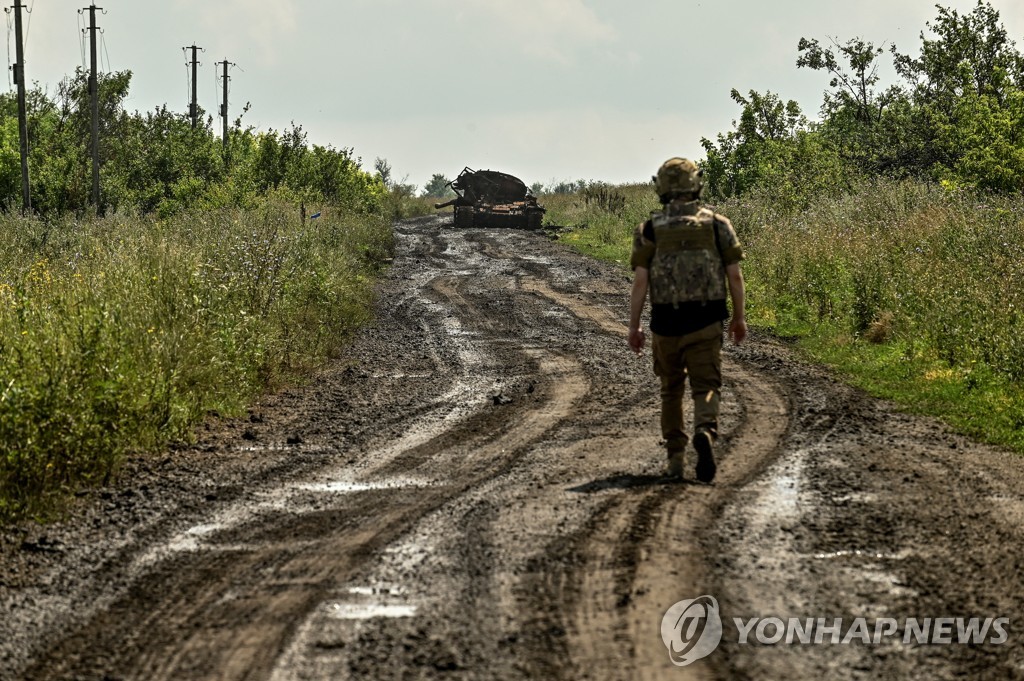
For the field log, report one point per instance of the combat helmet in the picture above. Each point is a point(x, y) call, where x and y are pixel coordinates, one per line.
point(678, 177)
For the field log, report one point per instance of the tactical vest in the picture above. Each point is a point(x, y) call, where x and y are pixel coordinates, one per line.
point(687, 265)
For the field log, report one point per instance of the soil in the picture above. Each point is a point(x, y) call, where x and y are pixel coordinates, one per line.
point(476, 490)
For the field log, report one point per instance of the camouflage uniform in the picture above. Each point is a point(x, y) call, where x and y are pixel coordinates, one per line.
point(686, 250)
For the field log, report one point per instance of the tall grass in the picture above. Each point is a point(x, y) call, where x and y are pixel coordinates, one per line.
point(117, 335)
point(915, 291)
point(602, 218)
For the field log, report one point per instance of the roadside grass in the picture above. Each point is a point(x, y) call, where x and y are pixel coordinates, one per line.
point(601, 218)
point(913, 292)
point(401, 203)
point(118, 335)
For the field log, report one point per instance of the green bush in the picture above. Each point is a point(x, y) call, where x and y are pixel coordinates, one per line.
point(118, 335)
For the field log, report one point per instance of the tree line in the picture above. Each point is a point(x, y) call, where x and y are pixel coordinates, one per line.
point(956, 117)
point(155, 162)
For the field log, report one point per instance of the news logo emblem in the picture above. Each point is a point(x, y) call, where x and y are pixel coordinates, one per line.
point(691, 630)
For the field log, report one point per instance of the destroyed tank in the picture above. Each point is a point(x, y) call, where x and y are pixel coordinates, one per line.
point(487, 198)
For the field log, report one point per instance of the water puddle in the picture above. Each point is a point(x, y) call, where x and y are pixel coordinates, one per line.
point(283, 447)
point(369, 602)
point(376, 591)
point(780, 495)
point(857, 553)
point(539, 259)
point(347, 486)
point(856, 498)
point(190, 539)
point(366, 611)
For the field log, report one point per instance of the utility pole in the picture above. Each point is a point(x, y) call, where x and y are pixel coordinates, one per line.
point(224, 104)
point(193, 109)
point(19, 79)
point(94, 94)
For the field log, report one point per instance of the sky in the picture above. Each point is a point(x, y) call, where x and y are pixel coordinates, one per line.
point(547, 90)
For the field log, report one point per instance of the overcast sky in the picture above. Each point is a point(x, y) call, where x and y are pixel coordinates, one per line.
point(544, 89)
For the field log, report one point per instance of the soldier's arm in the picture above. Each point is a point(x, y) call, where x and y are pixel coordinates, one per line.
point(728, 243)
point(640, 261)
point(637, 297)
point(738, 323)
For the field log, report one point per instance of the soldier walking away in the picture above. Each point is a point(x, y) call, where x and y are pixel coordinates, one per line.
point(685, 255)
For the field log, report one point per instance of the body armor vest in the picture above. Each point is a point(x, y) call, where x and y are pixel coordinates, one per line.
point(687, 265)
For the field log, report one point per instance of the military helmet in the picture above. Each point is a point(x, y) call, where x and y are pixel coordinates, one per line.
point(678, 176)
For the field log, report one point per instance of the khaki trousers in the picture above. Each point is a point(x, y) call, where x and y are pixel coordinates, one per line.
point(699, 356)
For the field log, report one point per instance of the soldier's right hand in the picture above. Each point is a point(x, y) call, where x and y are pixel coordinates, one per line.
point(636, 340)
point(738, 330)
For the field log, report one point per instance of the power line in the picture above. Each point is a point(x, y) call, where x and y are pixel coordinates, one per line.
point(28, 24)
point(103, 43)
point(81, 39)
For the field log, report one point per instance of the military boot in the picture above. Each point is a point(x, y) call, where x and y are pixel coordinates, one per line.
point(675, 463)
point(704, 443)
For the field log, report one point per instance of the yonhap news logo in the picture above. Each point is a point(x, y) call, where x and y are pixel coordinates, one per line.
point(693, 629)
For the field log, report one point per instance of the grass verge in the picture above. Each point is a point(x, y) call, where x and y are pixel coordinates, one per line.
point(118, 335)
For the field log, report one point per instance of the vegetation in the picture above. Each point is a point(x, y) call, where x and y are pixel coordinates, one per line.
point(957, 118)
point(117, 335)
point(438, 187)
point(216, 274)
point(602, 229)
point(886, 238)
point(156, 162)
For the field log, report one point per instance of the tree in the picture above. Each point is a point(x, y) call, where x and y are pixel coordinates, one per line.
point(383, 169)
point(966, 73)
point(156, 162)
point(958, 117)
point(857, 120)
point(970, 53)
point(740, 158)
point(853, 83)
point(567, 187)
point(438, 187)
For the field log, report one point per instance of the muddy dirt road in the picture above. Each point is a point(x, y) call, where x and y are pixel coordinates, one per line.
point(475, 491)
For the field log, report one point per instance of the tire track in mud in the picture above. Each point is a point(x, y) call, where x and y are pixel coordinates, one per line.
point(645, 549)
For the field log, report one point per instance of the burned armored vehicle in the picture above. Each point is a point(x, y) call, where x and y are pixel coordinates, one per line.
point(487, 198)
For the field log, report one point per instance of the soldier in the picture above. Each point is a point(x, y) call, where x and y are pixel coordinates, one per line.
point(685, 254)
